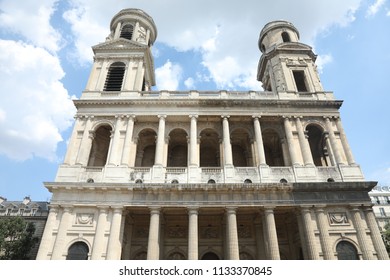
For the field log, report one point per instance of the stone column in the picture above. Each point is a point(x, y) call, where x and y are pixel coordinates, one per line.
point(375, 234)
point(232, 234)
point(304, 143)
point(60, 243)
point(193, 141)
point(333, 142)
point(259, 141)
point(46, 241)
point(86, 143)
point(227, 148)
point(344, 142)
point(159, 158)
point(71, 153)
point(97, 247)
point(330, 151)
point(113, 150)
point(361, 233)
point(309, 233)
point(118, 30)
point(290, 142)
point(154, 235)
point(114, 242)
point(259, 239)
point(324, 234)
point(193, 234)
point(127, 144)
point(270, 229)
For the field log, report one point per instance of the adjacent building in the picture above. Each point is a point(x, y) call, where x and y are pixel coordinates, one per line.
point(35, 212)
point(380, 197)
point(208, 174)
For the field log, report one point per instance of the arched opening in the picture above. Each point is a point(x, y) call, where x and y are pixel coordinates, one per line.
point(317, 145)
point(241, 148)
point(146, 148)
point(177, 148)
point(176, 256)
point(141, 256)
point(100, 146)
point(78, 251)
point(346, 251)
point(210, 256)
point(115, 77)
point(127, 31)
point(209, 149)
point(272, 148)
point(286, 37)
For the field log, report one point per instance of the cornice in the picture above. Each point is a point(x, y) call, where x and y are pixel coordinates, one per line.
point(210, 102)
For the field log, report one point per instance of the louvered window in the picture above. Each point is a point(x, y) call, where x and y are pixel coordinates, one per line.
point(127, 31)
point(115, 77)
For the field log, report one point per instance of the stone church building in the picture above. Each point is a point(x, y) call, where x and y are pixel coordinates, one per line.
point(222, 175)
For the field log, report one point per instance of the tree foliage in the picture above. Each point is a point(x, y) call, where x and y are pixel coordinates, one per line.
point(386, 237)
point(16, 238)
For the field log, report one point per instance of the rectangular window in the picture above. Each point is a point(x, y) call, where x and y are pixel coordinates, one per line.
point(382, 211)
point(299, 77)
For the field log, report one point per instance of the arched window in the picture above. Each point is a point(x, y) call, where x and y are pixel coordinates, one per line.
point(273, 148)
point(346, 251)
point(127, 31)
point(317, 145)
point(177, 148)
point(146, 148)
point(115, 77)
point(78, 251)
point(209, 148)
point(241, 148)
point(286, 37)
point(210, 256)
point(100, 146)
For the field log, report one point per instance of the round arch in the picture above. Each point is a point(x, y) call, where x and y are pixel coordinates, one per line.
point(346, 250)
point(78, 250)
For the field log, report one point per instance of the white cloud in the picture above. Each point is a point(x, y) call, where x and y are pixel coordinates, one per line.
point(189, 83)
point(218, 33)
point(35, 104)
point(32, 21)
point(374, 8)
point(168, 76)
point(322, 60)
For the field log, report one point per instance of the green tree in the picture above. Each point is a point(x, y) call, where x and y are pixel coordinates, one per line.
point(386, 237)
point(16, 238)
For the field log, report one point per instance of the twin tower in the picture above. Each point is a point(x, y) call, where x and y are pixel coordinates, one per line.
point(208, 174)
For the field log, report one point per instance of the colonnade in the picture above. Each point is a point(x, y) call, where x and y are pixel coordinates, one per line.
point(111, 247)
point(298, 153)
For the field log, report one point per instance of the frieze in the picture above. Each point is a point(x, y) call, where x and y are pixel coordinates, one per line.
point(209, 232)
point(177, 232)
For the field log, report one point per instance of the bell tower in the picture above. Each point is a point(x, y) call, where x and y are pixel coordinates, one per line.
point(287, 65)
point(124, 61)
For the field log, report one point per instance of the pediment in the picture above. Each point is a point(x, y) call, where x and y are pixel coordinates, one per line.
point(118, 44)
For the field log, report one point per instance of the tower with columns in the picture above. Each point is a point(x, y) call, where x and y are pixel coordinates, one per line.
point(208, 174)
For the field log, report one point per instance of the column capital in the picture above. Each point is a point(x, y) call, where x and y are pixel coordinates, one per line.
point(193, 210)
point(256, 117)
point(192, 116)
point(225, 116)
point(132, 117)
point(231, 210)
point(155, 210)
point(286, 118)
point(161, 117)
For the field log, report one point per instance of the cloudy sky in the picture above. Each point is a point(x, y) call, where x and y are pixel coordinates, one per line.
point(45, 60)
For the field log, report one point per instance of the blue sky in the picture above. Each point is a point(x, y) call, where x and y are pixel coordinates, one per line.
point(45, 60)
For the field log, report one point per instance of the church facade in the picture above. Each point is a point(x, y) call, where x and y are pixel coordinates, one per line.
point(208, 174)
